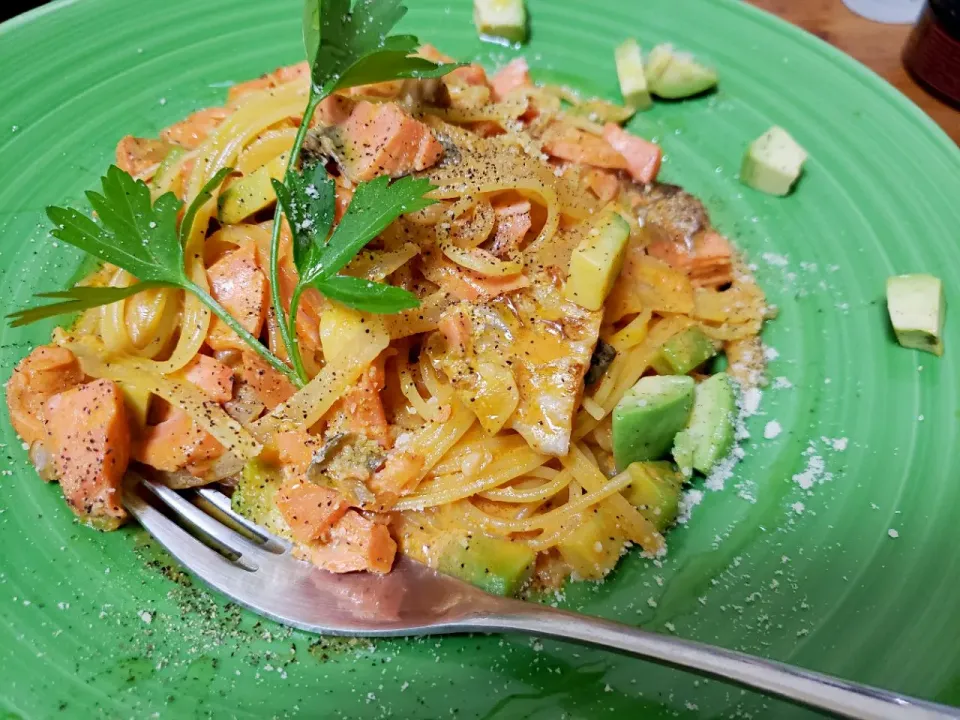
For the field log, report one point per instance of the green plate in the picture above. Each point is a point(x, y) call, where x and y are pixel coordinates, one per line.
point(103, 626)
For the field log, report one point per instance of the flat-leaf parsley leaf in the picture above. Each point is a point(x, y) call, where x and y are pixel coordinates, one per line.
point(142, 237)
point(347, 45)
point(309, 206)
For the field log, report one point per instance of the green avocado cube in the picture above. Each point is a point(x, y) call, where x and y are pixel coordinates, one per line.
point(657, 62)
point(684, 352)
point(773, 162)
point(710, 435)
point(597, 261)
point(594, 547)
point(501, 19)
point(916, 307)
point(655, 491)
point(630, 72)
point(497, 565)
point(254, 494)
point(173, 155)
point(675, 75)
point(252, 193)
point(648, 417)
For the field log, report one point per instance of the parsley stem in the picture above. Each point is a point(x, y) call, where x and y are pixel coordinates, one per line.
point(245, 335)
point(288, 330)
point(294, 340)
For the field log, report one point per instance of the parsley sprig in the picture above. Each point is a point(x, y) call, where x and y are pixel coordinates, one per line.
point(309, 203)
point(346, 47)
point(349, 47)
point(142, 237)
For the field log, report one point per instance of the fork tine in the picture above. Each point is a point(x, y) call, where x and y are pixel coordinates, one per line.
point(187, 549)
point(205, 524)
point(221, 504)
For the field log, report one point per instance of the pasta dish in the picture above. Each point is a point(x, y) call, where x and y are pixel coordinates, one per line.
point(486, 336)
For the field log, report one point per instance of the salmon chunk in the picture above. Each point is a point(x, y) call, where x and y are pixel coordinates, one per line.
point(643, 157)
point(602, 183)
point(513, 75)
point(711, 263)
point(211, 376)
point(310, 510)
point(270, 386)
point(513, 224)
point(364, 407)
point(356, 544)
point(239, 285)
point(190, 133)
point(333, 110)
point(295, 448)
point(381, 139)
point(399, 474)
point(177, 443)
point(90, 439)
point(46, 371)
point(431, 53)
point(278, 77)
point(569, 143)
point(137, 155)
point(291, 73)
point(241, 90)
point(707, 259)
point(472, 74)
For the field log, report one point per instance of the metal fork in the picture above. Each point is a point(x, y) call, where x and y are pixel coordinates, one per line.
point(257, 570)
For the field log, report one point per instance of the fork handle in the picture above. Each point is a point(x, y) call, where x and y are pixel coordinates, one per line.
point(822, 692)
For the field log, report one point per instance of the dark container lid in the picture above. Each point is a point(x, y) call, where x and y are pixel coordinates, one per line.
point(932, 52)
point(947, 13)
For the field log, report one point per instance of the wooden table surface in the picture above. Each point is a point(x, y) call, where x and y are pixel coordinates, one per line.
point(876, 45)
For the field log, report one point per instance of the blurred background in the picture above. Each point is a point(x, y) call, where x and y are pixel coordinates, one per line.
point(874, 32)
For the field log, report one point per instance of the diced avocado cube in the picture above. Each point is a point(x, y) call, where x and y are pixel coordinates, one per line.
point(916, 306)
point(339, 328)
point(593, 549)
point(773, 162)
point(655, 491)
point(136, 400)
point(254, 496)
point(633, 80)
point(684, 352)
point(597, 261)
point(657, 62)
point(501, 19)
point(251, 193)
point(710, 435)
point(648, 417)
point(674, 75)
point(499, 566)
point(173, 155)
point(684, 447)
